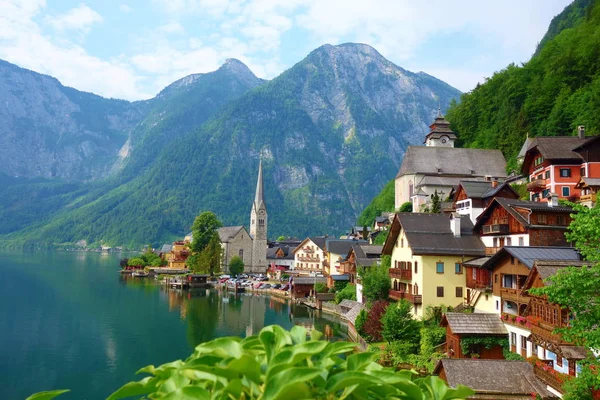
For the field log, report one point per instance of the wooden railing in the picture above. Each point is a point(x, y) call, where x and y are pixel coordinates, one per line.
point(536, 185)
point(545, 331)
point(490, 251)
point(549, 376)
point(399, 295)
point(308, 258)
point(514, 295)
point(587, 197)
point(401, 273)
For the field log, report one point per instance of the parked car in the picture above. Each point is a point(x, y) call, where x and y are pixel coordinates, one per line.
point(286, 287)
point(276, 286)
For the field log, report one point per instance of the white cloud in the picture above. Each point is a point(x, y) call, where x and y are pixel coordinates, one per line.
point(80, 18)
point(125, 8)
point(172, 27)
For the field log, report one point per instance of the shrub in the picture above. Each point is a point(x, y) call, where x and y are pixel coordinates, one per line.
point(277, 364)
point(406, 207)
point(359, 324)
point(320, 287)
point(373, 325)
point(376, 282)
point(348, 293)
point(398, 324)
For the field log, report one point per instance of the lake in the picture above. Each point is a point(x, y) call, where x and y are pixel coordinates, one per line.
point(69, 321)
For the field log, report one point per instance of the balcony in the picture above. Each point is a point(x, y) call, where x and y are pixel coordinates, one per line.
point(587, 198)
point(479, 284)
point(308, 250)
point(546, 373)
point(536, 185)
point(514, 295)
point(399, 295)
point(545, 331)
point(496, 228)
point(400, 273)
point(308, 258)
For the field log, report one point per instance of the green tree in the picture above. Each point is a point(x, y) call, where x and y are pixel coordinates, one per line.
point(584, 231)
point(280, 238)
point(236, 265)
point(347, 293)
point(436, 205)
point(361, 320)
point(398, 323)
point(203, 230)
point(376, 280)
point(406, 207)
point(136, 262)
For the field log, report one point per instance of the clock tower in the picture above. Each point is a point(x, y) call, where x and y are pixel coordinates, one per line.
point(440, 134)
point(258, 226)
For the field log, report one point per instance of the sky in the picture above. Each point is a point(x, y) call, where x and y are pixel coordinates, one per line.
point(132, 49)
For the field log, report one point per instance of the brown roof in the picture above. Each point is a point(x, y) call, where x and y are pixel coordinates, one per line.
point(574, 352)
point(309, 280)
point(493, 377)
point(353, 313)
point(513, 205)
point(475, 324)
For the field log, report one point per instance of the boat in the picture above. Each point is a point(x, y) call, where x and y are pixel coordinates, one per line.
point(140, 274)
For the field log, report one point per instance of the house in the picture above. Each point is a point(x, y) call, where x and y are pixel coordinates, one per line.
point(427, 254)
point(511, 222)
point(310, 257)
point(235, 241)
point(304, 286)
point(506, 273)
point(589, 188)
point(555, 164)
point(336, 252)
point(178, 255)
point(493, 379)
point(472, 197)
point(463, 326)
point(280, 257)
point(439, 166)
point(360, 255)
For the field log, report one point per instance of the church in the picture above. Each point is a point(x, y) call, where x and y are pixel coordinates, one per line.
point(439, 166)
point(251, 247)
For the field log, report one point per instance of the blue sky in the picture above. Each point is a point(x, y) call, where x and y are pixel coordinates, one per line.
point(133, 49)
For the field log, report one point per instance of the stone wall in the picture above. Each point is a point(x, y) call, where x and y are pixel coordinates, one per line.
point(243, 242)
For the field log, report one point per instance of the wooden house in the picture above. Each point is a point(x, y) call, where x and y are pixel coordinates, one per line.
point(510, 222)
point(461, 328)
point(493, 379)
point(472, 197)
point(304, 286)
point(589, 189)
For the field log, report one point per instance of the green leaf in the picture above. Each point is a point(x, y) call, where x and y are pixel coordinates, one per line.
point(133, 389)
point(315, 335)
point(188, 393)
point(298, 334)
point(47, 395)
point(246, 366)
point(359, 361)
point(222, 347)
point(349, 378)
point(280, 382)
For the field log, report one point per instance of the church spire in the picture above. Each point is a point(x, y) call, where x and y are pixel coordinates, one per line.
point(258, 198)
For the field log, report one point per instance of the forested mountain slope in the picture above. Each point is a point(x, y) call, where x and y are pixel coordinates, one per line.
point(331, 131)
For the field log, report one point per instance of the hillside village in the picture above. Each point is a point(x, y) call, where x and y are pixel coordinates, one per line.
point(477, 256)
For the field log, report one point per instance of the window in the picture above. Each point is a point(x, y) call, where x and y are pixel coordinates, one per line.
point(241, 253)
point(566, 191)
point(539, 176)
point(524, 342)
point(534, 350)
point(474, 275)
point(459, 291)
point(561, 220)
point(521, 241)
point(542, 219)
point(439, 267)
point(509, 281)
point(512, 260)
point(495, 242)
point(513, 339)
point(497, 305)
point(508, 241)
point(565, 172)
point(545, 193)
point(559, 361)
point(458, 268)
point(440, 291)
point(547, 175)
point(410, 189)
point(416, 267)
point(582, 171)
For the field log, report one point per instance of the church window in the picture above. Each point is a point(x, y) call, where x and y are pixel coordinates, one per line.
point(410, 188)
point(241, 253)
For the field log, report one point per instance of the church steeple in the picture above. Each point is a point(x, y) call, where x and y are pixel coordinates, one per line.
point(440, 133)
point(258, 197)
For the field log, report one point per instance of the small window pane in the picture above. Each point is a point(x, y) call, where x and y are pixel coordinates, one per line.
point(458, 268)
point(566, 191)
point(440, 291)
point(439, 267)
point(459, 291)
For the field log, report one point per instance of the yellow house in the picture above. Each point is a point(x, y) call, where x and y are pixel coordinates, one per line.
point(427, 252)
point(179, 253)
point(310, 257)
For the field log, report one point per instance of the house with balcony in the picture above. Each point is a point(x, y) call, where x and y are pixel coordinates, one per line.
point(589, 188)
point(310, 257)
point(472, 197)
point(555, 164)
point(427, 254)
point(336, 252)
point(360, 255)
point(178, 255)
point(460, 327)
point(557, 357)
point(512, 222)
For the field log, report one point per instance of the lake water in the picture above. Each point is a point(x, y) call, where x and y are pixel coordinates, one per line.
point(69, 320)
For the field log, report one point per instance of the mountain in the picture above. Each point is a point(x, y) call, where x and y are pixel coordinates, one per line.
point(331, 131)
point(40, 181)
point(571, 16)
point(52, 131)
point(554, 92)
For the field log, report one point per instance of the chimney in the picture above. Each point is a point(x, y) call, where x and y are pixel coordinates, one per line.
point(455, 224)
point(495, 183)
point(581, 132)
point(552, 200)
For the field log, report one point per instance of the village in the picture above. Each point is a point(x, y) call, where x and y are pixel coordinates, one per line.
point(471, 247)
